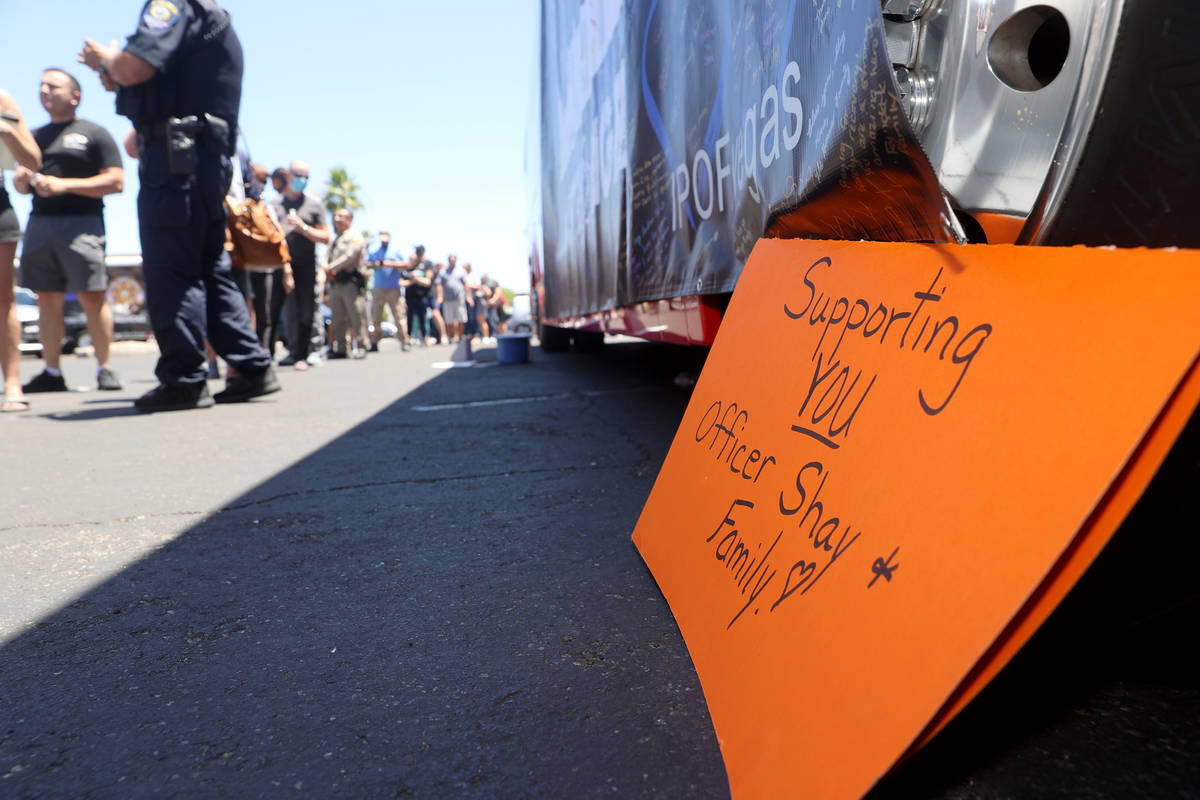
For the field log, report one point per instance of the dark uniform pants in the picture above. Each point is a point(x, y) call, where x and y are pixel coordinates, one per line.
point(417, 320)
point(261, 282)
point(190, 289)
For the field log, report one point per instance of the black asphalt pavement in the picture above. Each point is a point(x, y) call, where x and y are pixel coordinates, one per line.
point(400, 579)
point(389, 579)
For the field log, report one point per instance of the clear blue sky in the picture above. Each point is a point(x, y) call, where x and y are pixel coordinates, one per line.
point(425, 103)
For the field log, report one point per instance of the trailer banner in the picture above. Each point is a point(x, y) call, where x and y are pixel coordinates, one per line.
point(897, 461)
point(675, 133)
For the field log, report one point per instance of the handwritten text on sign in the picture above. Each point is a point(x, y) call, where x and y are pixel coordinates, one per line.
point(922, 324)
point(889, 449)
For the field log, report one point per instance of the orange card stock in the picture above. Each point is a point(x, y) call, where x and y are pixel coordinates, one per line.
point(897, 461)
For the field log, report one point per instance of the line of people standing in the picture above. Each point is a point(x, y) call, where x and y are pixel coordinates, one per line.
point(432, 302)
point(440, 303)
point(178, 80)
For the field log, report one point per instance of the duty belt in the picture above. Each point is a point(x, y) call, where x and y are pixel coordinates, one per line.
point(212, 131)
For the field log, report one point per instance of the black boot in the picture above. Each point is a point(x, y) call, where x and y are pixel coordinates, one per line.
point(241, 388)
point(174, 397)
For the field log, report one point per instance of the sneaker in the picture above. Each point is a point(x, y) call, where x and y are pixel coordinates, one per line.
point(287, 361)
point(314, 359)
point(300, 366)
point(335, 355)
point(45, 382)
point(374, 348)
point(106, 380)
point(243, 387)
point(356, 353)
point(174, 397)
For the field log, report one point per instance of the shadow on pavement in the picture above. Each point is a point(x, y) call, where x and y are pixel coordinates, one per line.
point(124, 409)
point(444, 602)
point(441, 603)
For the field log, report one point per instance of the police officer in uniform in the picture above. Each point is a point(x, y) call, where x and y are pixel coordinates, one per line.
point(179, 80)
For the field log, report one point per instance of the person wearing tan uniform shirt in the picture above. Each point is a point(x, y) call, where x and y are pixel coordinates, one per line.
point(343, 270)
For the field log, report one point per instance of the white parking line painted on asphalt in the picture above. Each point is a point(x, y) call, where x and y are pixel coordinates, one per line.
point(537, 398)
point(501, 402)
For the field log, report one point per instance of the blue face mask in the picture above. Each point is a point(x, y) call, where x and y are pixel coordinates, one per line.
point(298, 184)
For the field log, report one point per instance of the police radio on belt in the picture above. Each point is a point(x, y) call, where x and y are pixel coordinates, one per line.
point(183, 135)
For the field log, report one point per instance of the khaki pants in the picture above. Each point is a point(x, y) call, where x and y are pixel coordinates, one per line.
point(394, 300)
point(349, 314)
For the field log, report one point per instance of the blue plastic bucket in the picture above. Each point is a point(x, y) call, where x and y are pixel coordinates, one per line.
point(512, 348)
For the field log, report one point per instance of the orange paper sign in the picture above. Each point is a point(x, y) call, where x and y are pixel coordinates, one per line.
point(897, 461)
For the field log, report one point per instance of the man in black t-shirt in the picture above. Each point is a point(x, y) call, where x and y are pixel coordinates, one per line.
point(64, 240)
point(420, 283)
point(303, 217)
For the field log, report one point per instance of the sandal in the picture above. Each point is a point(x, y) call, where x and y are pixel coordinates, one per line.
point(14, 404)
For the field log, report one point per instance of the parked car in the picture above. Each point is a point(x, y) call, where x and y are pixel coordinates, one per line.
point(387, 327)
point(75, 333)
point(126, 326)
point(126, 299)
point(27, 315)
point(521, 320)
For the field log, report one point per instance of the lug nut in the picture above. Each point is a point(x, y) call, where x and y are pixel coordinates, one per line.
point(916, 96)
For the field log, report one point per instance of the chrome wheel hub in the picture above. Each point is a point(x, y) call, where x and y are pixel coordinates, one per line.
point(1001, 94)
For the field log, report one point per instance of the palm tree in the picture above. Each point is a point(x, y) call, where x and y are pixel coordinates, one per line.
point(341, 191)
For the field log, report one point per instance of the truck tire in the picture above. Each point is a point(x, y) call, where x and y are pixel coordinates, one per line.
point(1138, 180)
point(554, 339)
point(1059, 122)
point(588, 341)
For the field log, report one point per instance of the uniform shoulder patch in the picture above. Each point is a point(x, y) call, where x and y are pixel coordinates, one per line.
point(160, 15)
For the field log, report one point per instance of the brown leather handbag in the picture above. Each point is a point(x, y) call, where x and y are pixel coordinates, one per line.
point(255, 239)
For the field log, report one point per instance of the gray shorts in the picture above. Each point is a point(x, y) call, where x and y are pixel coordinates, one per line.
point(454, 311)
point(64, 254)
point(10, 228)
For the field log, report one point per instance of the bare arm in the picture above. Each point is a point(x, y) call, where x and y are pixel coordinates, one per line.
point(121, 68)
point(16, 135)
point(110, 180)
point(318, 233)
point(23, 180)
